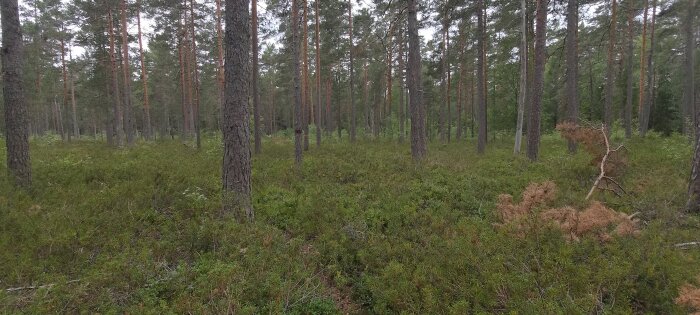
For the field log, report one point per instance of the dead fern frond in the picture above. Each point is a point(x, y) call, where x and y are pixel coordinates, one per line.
point(689, 296)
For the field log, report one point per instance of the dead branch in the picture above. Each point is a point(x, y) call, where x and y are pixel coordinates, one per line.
point(36, 287)
point(602, 176)
point(687, 245)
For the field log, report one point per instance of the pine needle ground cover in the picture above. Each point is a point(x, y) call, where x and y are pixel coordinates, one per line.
point(360, 229)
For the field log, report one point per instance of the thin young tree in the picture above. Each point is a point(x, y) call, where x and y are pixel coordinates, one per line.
point(16, 116)
point(256, 78)
point(418, 137)
point(522, 94)
point(236, 174)
point(533, 130)
point(572, 66)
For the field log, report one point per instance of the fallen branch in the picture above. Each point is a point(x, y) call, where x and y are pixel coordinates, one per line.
point(687, 245)
point(602, 176)
point(36, 287)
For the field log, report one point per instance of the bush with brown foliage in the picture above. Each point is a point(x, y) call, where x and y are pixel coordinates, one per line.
point(689, 296)
point(593, 141)
point(596, 220)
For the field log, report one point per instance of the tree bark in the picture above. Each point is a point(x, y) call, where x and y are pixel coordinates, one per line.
point(195, 80)
point(522, 94)
point(256, 78)
point(649, 91)
point(118, 122)
point(318, 74)
point(353, 118)
point(572, 66)
point(128, 122)
point(16, 116)
point(628, 70)
point(147, 127)
point(418, 138)
point(74, 105)
point(236, 175)
point(480, 78)
point(610, 71)
point(306, 99)
point(220, 58)
point(689, 68)
point(401, 86)
point(65, 75)
point(298, 128)
point(642, 82)
point(533, 135)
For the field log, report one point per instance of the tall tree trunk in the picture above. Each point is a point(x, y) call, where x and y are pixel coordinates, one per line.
point(16, 117)
point(628, 69)
point(195, 80)
point(256, 78)
point(147, 127)
point(298, 128)
point(418, 138)
point(65, 75)
point(306, 99)
point(389, 80)
point(649, 92)
point(610, 71)
point(183, 86)
point(74, 105)
point(353, 118)
point(236, 175)
point(318, 74)
point(442, 128)
point(480, 77)
point(642, 63)
point(448, 128)
point(220, 58)
point(689, 68)
point(118, 122)
point(533, 135)
point(128, 119)
point(401, 86)
point(522, 94)
point(572, 66)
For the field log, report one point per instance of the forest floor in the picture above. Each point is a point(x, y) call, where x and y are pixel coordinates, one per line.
point(359, 229)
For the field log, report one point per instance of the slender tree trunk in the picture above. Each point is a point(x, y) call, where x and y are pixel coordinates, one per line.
point(689, 68)
point(628, 70)
point(649, 92)
point(401, 87)
point(128, 120)
point(448, 128)
point(118, 122)
point(16, 116)
point(533, 135)
point(442, 128)
point(610, 71)
point(220, 58)
point(318, 75)
point(74, 105)
point(195, 80)
point(306, 99)
point(256, 78)
point(183, 87)
point(522, 94)
point(236, 175)
point(64, 72)
point(298, 128)
point(389, 81)
point(418, 138)
point(353, 118)
point(642, 63)
point(572, 66)
point(480, 78)
point(147, 127)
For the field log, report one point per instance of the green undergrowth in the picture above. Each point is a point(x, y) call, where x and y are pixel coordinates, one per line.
point(360, 228)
